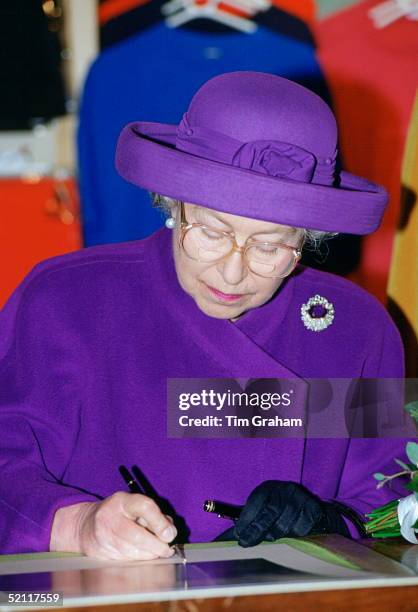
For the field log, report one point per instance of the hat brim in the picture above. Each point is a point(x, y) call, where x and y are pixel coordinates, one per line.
point(146, 156)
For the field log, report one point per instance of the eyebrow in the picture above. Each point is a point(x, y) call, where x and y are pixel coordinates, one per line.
point(281, 230)
point(210, 217)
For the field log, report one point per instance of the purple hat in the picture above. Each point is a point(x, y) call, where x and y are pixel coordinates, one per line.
point(255, 145)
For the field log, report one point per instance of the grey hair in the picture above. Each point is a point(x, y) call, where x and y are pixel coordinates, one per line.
point(313, 239)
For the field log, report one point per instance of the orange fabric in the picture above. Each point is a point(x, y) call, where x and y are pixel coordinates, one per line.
point(112, 8)
point(304, 9)
point(37, 220)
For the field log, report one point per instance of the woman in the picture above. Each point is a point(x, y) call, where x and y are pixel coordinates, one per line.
point(90, 339)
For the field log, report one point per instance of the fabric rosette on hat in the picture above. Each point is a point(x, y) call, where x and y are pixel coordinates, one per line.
point(255, 145)
point(276, 159)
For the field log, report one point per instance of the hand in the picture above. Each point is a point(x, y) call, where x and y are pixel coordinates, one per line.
point(277, 509)
point(122, 526)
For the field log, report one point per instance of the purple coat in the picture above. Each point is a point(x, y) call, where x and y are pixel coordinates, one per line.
point(87, 342)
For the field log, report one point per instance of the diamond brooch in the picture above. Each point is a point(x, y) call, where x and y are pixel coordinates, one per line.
point(317, 314)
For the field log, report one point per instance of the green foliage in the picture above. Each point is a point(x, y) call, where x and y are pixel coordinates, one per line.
point(412, 409)
point(413, 484)
point(383, 521)
point(405, 466)
point(412, 452)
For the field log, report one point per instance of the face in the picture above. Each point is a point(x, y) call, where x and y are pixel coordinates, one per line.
point(227, 288)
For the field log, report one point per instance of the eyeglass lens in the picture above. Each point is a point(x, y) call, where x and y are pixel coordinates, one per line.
point(206, 245)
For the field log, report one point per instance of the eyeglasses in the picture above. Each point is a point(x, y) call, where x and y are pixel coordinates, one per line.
point(208, 245)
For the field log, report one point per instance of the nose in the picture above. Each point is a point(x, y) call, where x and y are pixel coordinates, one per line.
point(233, 268)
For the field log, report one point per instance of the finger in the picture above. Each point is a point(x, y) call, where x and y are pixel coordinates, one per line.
point(254, 532)
point(269, 537)
point(143, 522)
point(298, 517)
point(289, 512)
point(121, 551)
point(309, 515)
point(260, 512)
point(109, 546)
point(139, 538)
point(142, 507)
point(252, 508)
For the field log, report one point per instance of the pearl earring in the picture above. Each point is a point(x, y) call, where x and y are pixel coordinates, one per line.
point(170, 223)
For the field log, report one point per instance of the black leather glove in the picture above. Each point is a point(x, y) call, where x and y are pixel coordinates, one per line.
point(277, 509)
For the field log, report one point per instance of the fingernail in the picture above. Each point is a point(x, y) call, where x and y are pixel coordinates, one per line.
point(169, 534)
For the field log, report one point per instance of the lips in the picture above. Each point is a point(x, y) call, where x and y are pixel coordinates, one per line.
point(225, 297)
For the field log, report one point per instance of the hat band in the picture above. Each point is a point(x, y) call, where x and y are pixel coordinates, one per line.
point(272, 157)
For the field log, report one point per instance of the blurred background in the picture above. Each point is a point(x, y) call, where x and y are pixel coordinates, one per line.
point(74, 72)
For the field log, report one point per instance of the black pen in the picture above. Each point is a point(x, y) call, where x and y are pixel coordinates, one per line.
point(222, 509)
point(132, 483)
point(135, 487)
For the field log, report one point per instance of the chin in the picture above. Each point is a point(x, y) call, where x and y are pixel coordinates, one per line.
point(218, 311)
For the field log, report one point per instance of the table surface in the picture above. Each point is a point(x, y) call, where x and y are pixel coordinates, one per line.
point(384, 599)
point(396, 592)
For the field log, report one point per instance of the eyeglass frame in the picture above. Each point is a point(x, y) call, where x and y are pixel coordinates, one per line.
point(185, 226)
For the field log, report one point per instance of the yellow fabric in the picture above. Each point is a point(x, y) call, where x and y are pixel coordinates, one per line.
point(403, 278)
